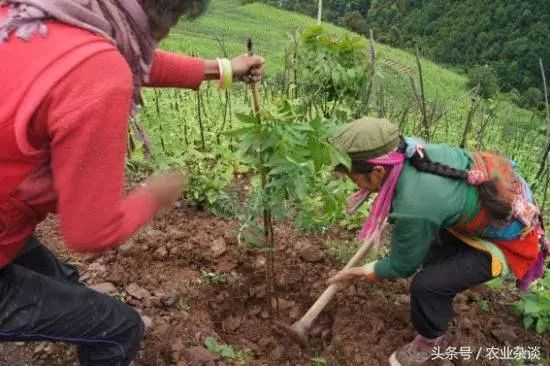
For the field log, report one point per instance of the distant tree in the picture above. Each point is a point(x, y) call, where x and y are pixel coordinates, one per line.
point(508, 35)
point(355, 22)
point(532, 98)
point(486, 77)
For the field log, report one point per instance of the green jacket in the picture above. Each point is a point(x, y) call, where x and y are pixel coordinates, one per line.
point(424, 203)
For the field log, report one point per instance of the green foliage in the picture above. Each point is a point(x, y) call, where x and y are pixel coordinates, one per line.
point(486, 77)
point(355, 22)
point(332, 71)
point(182, 305)
point(122, 297)
point(510, 36)
point(319, 361)
point(171, 115)
point(209, 174)
point(211, 278)
point(532, 98)
point(497, 283)
point(225, 351)
point(332, 10)
point(535, 306)
point(293, 153)
point(343, 251)
point(483, 305)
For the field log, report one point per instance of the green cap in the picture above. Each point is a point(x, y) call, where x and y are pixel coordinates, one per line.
point(368, 138)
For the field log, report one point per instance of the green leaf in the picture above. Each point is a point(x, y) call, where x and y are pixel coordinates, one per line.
point(227, 352)
point(316, 124)
point(277, 170)
point(316, 153)
point(541, 325)
point(531, 307)
point(211, 344)
point(517, 307)
point(294, 137)
point(242, 169)
point(304, 127)
point(340, 157)
point(528, 321)
point(239, 131)
point(295, 159)
point(247, 143)
point(300, 190)
point(497, 283)
point(255, 181)
point(270, 140)
point(246, 118)
point(212, 197)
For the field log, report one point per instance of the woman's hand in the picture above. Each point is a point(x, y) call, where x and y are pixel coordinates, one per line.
point(346, 277)
point(249, 69)
point(166, 188)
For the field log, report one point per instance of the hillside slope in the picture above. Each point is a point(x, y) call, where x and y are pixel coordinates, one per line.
point(271, 29)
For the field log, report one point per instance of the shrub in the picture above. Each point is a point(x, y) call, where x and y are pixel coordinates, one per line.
point(487, 78)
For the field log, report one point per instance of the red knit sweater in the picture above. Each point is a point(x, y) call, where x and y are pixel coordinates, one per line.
point(63, 130)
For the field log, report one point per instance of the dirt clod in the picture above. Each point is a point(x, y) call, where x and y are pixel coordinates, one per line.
point(136, 291)
point(218, 248)
point(311, 254)
point(177, 345)
point(106, 288)
point(505, 336)
point(97, 268)
point(231, 323)
point(160, 253)
point(199, 356)
point(277, 353)
point(362, 326)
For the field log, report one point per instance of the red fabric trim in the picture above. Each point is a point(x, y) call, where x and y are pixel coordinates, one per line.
point(520, 253)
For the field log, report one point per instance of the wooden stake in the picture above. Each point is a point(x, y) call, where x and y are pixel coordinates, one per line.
point(269, 241)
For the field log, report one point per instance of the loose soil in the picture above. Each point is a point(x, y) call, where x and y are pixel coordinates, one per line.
point(188, 273)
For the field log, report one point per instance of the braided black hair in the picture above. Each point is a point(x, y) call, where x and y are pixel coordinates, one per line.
point(489, 198)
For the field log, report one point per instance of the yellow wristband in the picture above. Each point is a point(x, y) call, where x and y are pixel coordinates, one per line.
point(220, 68)
point(226, 74)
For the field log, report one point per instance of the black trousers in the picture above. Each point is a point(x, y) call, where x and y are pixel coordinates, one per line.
point(451, 267)
point(42, 300)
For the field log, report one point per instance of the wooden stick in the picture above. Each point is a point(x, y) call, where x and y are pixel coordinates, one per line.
point(268, 221)
point(547, 142)
point(325, 298)
point(255, 92)
point(425, 122)
point(471, 112)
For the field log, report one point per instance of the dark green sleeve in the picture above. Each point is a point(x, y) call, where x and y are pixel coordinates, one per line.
point(411, 241)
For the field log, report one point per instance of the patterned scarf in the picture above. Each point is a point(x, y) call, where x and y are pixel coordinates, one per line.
point(122, 22)
point(393, 162)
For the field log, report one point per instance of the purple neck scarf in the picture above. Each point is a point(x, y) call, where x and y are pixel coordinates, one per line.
point(122, 22)
point(380, 210)
point(393, 162)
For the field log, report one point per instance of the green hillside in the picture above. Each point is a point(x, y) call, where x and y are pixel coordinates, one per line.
point(507, 127)
point(271, 29)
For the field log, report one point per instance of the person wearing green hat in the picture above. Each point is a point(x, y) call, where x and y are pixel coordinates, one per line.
point(459, 219)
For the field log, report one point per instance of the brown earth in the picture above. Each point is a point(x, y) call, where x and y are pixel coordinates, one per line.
point(189, 274)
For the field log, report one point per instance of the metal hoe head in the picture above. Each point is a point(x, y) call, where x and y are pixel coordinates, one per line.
point(297, 332)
